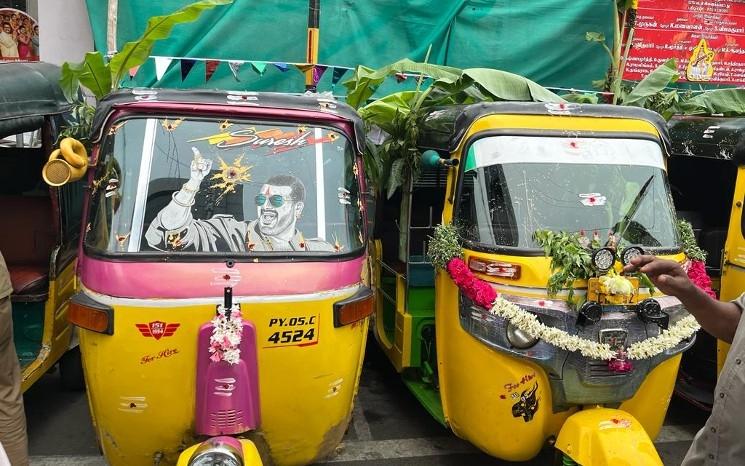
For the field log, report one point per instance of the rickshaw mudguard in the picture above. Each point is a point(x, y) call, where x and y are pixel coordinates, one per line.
point(605, 437)
point(251, 456)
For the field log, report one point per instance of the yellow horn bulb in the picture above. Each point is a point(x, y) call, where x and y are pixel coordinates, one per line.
point(68, 163)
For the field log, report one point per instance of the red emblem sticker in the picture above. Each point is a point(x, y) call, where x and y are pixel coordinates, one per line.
point(157, 329)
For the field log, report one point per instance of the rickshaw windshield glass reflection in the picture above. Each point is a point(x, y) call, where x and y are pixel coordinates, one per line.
point(195, 185)
point(613, 188)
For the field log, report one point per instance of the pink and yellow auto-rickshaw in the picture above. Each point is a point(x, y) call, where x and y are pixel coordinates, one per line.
point(224, 303)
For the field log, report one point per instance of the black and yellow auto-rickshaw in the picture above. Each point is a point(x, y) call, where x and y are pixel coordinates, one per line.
point(708, 188)
point(40, 225)
point(485, 344)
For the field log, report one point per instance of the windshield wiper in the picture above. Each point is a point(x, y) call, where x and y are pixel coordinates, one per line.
point(633, 208)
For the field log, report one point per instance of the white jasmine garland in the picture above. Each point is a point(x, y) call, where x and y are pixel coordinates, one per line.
point(529, 323)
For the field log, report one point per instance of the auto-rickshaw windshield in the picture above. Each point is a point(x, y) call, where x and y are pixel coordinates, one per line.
point(173, 184)
point(515, 185)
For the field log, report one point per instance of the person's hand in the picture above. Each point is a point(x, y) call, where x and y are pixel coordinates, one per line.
point(666, 275)
point(200, 166)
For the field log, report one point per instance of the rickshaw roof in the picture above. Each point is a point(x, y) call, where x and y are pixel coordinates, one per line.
point(443, 128)
point(318, 103)
point(705, 136)
point(28, 92)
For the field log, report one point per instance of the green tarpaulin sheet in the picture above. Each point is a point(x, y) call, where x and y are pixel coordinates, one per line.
point(543, 40)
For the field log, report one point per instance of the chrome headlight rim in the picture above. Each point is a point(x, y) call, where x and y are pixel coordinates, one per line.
point(519, 339)
point(217, 448)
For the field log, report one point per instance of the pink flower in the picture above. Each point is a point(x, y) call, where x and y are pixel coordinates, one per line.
point(699, 277)
point(216, 356)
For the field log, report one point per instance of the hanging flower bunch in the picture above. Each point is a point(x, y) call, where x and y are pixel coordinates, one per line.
point(482, 294)
point(696, 267)
point(226, 336)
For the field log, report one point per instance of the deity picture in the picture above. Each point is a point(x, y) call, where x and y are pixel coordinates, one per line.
point(19, 36)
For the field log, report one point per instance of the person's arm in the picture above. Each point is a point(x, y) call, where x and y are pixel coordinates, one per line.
point(719, 318)
point(177, 214)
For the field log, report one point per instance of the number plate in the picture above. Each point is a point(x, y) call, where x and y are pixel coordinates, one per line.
point(615, 337)
point(299, 330)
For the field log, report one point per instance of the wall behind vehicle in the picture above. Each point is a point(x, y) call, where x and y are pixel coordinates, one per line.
point(64, 30)
point(541, 39)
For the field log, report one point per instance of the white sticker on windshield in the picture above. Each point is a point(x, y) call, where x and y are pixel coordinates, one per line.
point(592, 199)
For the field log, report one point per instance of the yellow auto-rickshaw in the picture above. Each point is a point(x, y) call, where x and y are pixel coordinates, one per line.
point(224, 292)
point(704, 157)
point(538, 360)
point(40, 224)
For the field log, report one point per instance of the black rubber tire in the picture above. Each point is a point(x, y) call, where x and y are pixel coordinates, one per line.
point(71, 370)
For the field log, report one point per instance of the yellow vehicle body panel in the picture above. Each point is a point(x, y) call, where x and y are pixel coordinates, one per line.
point(57, 332)
point(650, 402)
point(606, 437)
point(479, 386)
point(142, 390)
point(732, 282)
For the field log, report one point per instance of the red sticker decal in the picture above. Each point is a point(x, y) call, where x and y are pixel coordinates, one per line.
point(157, 329)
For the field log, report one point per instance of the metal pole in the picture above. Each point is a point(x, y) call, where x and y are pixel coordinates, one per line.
point(311, 55)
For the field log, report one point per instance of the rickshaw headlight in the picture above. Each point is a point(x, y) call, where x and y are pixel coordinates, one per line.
point(603, 259)
point(631, 252)
point(217, 452)
point(519, 339)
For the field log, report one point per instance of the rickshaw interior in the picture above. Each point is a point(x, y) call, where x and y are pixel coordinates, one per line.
point(42, 224)
point(702, 180)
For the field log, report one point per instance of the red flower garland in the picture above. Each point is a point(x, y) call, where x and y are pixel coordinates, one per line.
point(699, 277)
point(478, 291)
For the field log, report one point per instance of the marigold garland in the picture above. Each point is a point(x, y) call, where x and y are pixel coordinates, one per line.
point(482, 294)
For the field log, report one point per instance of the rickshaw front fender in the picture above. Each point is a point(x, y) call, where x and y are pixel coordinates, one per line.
point(251, 456)
point(605, 437)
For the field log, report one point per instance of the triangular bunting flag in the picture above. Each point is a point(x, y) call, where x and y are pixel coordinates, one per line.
point(234, 67)
point(401, 77)
point(338, 73)
point(282, 67)
point(318, 71)
point(304, 68)
point(133, 71)
point(259, 67)
point(161, 66)
point(209, 68)
point(186, 66)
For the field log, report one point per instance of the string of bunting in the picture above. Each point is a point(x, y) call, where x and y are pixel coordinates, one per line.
point(164, 63)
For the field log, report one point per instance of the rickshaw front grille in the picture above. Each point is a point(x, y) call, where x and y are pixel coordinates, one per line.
point(227, 418)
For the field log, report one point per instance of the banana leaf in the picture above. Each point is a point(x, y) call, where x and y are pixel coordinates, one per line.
point(383, 112)
point(728, 102)
point(366, 81)
point(92, 73)
point(653, 83)
point(137, 52)
point(484, 84)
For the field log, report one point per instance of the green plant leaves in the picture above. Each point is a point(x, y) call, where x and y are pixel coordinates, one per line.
point(484, 84)
point(727, 102)
point(158, 27)
point(366, 81)
point(92, 73)
point(654, 83)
